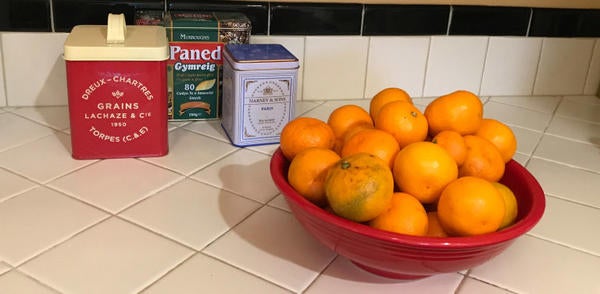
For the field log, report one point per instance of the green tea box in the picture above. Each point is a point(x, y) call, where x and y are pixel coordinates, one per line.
point(195, 65)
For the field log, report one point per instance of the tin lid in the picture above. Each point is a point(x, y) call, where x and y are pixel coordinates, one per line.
point(204, 26)
point(260, 56)
point(116, 41)
point(218, 20)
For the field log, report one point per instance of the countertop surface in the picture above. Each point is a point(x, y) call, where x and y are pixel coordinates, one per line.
point(207, 218)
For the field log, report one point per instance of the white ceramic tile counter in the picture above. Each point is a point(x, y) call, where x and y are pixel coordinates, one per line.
point(207, 218)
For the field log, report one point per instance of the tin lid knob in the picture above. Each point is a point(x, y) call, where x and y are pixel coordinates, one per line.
point(115, 32)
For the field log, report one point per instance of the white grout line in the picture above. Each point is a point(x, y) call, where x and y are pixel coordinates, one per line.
point(485, 59)
point(364, 87)
point(586, 81)
point(362, 19)
point(529, 22)
point(562, 244)
point(449, 20)
point(3, 82)
point(426, 66)
point(537, 68)
point(539, 141)
point(300, 73)
point(268, 18)
point(52, 16)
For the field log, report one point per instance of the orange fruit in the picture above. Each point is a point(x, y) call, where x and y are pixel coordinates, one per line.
point(483, 160)
point(372, 141)
point(454, 143)
point(337, 146)
point(384, 97)
point(404, 121)
point(423, 169)
point(340, 142)
point(304, 132)
point(470, 206)
point(406, 215)
point(308, 170)
point(347, 116)
point(500, 135)
point(459, 111)
point(434, 228)
point(359, 187)
point(510, 205)
point(355, 129)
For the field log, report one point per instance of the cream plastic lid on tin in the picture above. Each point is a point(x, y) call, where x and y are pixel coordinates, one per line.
point(260, 57)
point(116, 42)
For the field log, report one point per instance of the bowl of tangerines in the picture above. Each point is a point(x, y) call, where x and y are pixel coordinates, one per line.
point(408, 194)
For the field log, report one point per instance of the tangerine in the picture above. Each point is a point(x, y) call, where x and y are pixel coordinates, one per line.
point(423, 169)
point(510, 205)
point(454, 143)
point(347, 116)
point(406, 215)
point(404, 121)
point(304, 132)
point(340, 142)
point(434, 228)
point(459, 111)
point(470, 206)
point(483, 160)
point(373, 141)
point(385, 96)
point(308, 170)
point(354, 130)
point(359, 187)
point(500, 135)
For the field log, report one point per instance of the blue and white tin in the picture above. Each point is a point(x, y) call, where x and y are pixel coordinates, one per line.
point(259, 92)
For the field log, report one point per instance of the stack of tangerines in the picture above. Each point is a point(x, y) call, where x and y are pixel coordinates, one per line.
point(398, 169)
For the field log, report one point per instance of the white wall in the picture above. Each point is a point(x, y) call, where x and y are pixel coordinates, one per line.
point(356, 67)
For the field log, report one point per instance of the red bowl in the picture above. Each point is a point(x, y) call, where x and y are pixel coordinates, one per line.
point(410, 257)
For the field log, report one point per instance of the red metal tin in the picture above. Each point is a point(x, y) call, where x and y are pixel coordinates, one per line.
point(117, 103)
point(117, 108)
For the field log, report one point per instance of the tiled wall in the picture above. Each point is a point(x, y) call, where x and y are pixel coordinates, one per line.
point(347, 51)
